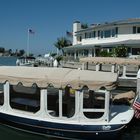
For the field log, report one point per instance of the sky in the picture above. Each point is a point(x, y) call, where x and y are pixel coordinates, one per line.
point(50, 19)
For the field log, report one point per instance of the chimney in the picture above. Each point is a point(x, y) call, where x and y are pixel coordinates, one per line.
point(76, 27)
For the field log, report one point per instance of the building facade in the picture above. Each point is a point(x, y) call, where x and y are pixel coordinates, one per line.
point(88, 42)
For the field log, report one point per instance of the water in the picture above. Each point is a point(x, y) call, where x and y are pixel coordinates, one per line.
point(132, 132)
point(8, 61)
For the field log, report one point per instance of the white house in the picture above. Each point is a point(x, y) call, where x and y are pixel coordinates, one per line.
point(87, 42)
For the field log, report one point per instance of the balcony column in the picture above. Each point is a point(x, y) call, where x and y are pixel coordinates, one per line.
point(82, 53)
point(75, 54)
point(94, 52)
point(90, 53)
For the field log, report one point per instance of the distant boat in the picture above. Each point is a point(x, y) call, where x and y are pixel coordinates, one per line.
point(62, 102)
point(25, 61)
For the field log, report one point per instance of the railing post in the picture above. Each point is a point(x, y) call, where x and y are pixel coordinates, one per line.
point(43, 100)
point(7, 96)
point(107, 98)
point(83, 66)
point(60, 103)
point(113, 68)
point(124, 71)
point(97, 67)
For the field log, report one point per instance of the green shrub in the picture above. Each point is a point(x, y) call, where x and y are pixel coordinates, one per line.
point(104, 53)
point(121, 51)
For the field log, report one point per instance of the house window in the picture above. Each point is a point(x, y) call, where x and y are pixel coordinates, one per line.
point(102, 34)
point(113, 32)
point(80, 38)
point(93, 34)
point(135, 51)
point(85, 52)
point(134, 30)
point(99, 33)
point(138, 29)
point(85, 35)
point(116, 30)
point(107, 33)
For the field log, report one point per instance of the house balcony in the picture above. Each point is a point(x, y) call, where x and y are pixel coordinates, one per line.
point(127, 39)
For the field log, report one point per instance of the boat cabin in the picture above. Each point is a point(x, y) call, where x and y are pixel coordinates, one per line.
point(63, 98)
point(25, 61)
point(79, 99)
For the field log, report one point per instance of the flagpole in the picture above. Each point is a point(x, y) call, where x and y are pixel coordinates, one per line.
point(57, 51)
point(27, 53)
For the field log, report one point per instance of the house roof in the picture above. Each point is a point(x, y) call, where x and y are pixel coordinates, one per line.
point(58, 77)
point(114, 23)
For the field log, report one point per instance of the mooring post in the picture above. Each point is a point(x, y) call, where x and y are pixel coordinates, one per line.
point(113, 68)
point(97, 67)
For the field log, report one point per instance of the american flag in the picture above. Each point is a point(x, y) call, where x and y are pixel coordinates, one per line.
point(136, 106)
point(31, 31)
point(69, 34)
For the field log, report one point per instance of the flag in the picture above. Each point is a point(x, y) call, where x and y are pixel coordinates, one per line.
point(136, 106)
point(31, 31)
point(69, 34)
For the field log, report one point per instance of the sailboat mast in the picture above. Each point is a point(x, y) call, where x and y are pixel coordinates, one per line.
point(27, 53)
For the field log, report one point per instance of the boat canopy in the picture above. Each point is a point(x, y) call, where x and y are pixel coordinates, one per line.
point(58, 77)
point(110, 60)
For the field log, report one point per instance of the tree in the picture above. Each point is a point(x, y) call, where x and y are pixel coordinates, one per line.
point(84, 25)
point(2, 50)
point(10, 51)
point(21, 52)
point(61, 43)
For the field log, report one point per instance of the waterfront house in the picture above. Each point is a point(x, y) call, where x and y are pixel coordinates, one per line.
point(88, 42)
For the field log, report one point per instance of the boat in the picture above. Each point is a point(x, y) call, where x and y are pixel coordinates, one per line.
point(61, 102)
point(25, 61)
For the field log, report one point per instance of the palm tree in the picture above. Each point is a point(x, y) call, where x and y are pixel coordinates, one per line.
point(61, 43)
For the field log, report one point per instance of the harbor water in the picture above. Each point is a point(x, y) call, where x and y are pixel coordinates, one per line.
point(132, 132)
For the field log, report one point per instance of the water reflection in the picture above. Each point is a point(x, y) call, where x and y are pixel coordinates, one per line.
point(132, 132)
point(7, 133)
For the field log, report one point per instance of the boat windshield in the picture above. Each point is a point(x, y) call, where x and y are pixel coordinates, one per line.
point(1, 94)
point(25, 98)
point(93, 104)
point(61, 103)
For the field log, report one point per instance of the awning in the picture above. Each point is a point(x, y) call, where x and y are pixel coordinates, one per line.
point(124, 42)
point(58, 77)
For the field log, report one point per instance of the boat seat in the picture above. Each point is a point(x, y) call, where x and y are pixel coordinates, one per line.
point(124, 98)
point(25, 104)
point(28, 102)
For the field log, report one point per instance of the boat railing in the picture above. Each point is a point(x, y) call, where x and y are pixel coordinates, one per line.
point(62, 107)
